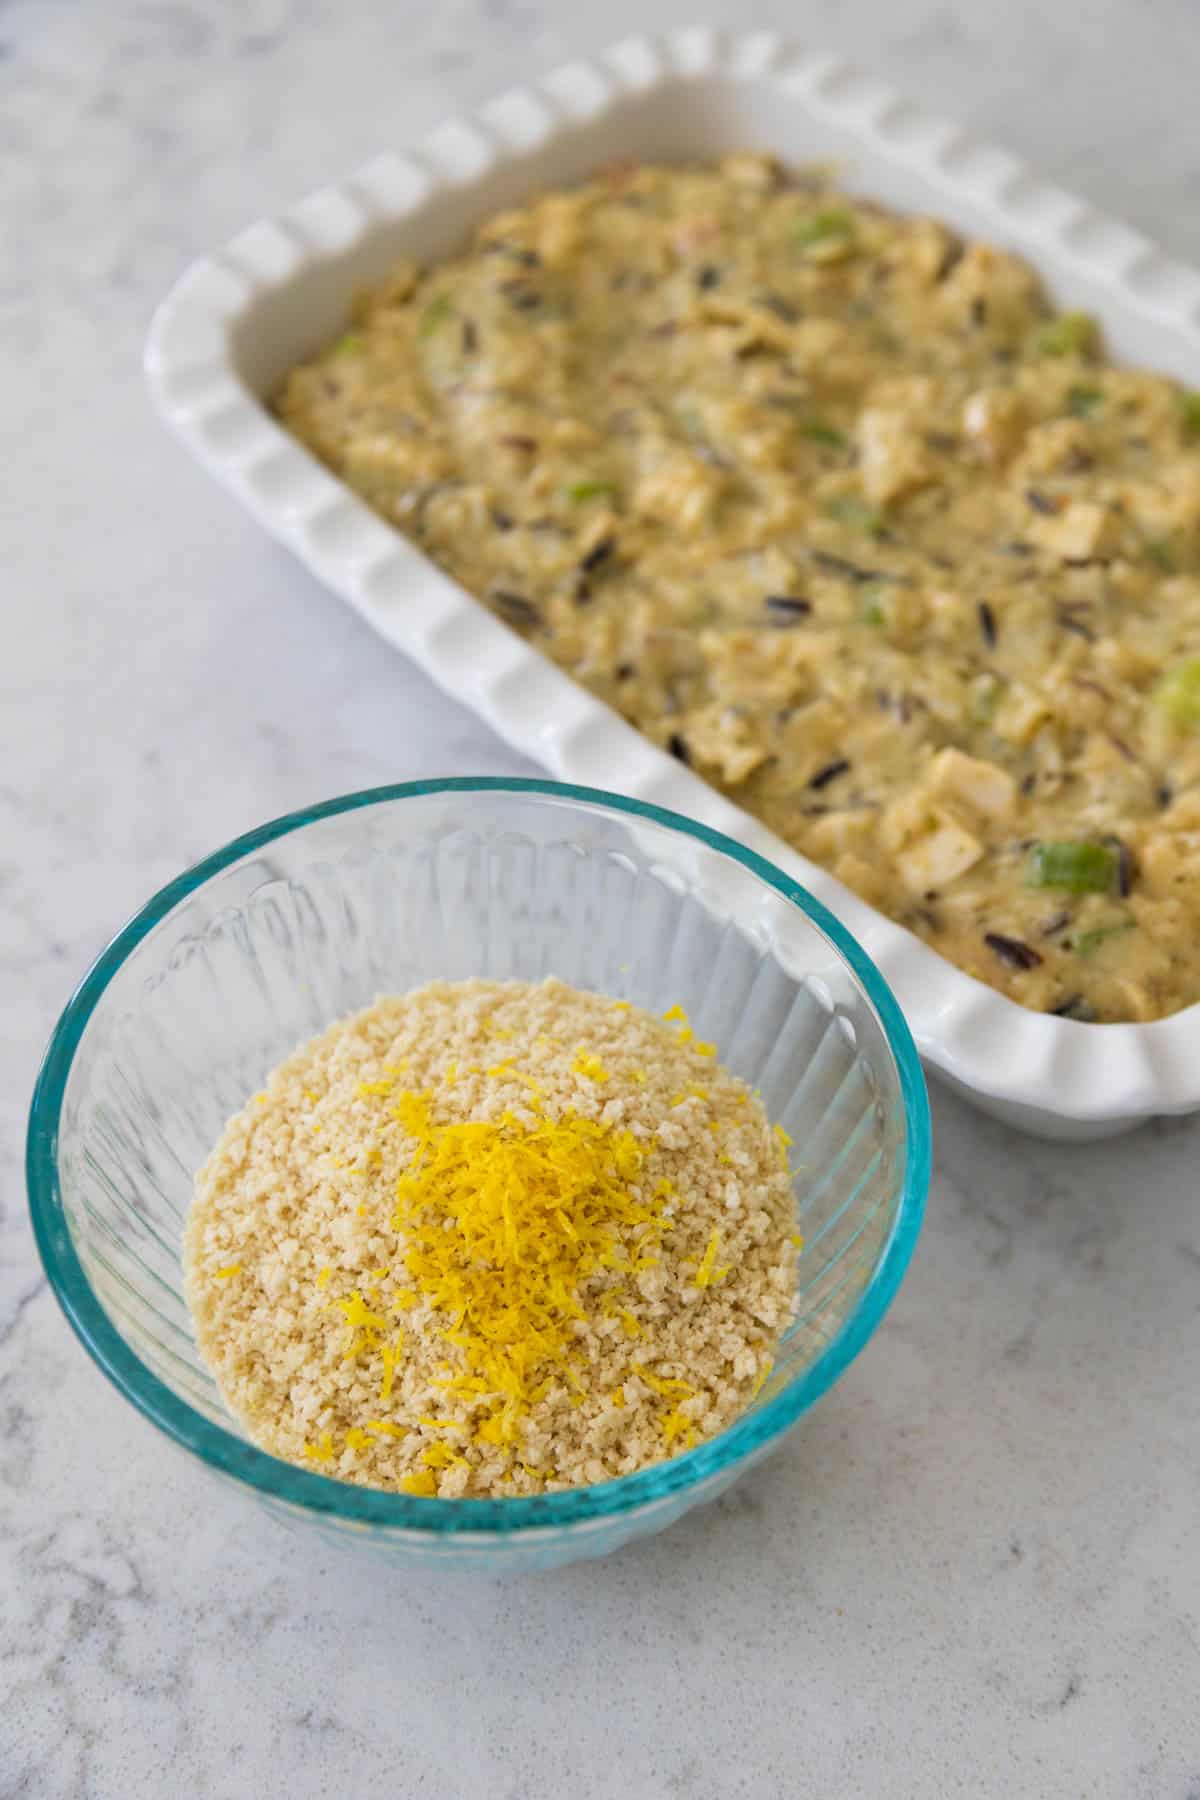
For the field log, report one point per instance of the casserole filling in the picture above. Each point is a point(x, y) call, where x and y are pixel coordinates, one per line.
point(830, 504)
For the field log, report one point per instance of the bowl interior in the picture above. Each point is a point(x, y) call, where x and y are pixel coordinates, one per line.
point(272, 940)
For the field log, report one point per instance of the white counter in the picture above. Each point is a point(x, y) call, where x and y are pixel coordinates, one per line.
point(976, 1570)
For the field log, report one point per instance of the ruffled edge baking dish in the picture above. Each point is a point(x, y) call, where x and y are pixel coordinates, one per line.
point(238, 319)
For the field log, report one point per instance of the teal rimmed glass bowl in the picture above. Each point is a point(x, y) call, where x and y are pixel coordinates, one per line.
point(311, 917)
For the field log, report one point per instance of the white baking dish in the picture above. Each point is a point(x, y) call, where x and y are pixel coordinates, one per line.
point(237, 320)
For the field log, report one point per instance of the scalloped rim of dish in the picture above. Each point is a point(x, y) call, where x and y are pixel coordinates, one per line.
point(753, 1432)
point(1047, 1074)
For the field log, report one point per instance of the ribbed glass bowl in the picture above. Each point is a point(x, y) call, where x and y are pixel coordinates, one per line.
point(311, 917)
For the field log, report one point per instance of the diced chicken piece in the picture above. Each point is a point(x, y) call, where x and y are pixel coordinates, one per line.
point(1124, 661)
point(905, 818)
point(681, 490)
point(1049, 449)
point(1168, 860)
point(994, 421)
point(894, 457)
point(1020, 714)
point(943, 853)
point(864, 877)
point(765, 667)
point(560, 225)
point(931, 248)
point(991, 285)
point(983, 786)
point(574, 434)
point(724, 740)
point(1081, 529)
point(749, 169)
point(839, 832)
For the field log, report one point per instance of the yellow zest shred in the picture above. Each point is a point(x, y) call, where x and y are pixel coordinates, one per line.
point(385, 1428)
point(632, 1328)
point(323, 1276)
point(405, 1299)
point(707, 1275)
point(761, 1380)
point(797, 1240)
point(362, 1324)
point(424, 1483)
point(639, 1075)
point(441, 1456)
point(617, 1397)
point(703, 1049)
point(440, 1424)
point(621, 1005)
point(782, 1138)
point(229, 1271)
point(674, 1425)
point(308, 1094)
point(450, 1074)
point(675, 1012)
point(367, 1088)
point(502, 1221)
point(388, 1353)
point(322, 1450)
point(357, 1440)
point(661, 1384)
point(589, 1066)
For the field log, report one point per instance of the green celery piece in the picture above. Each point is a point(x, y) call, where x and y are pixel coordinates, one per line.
point(581, 491)
point(1088, 942)
point(820, 227)
point(1178, 693)
point(348, 343)
point(1081, 867)
point(851, 509)
point(871, 610)
point(1083, 401)
point(440, 309)
point(1188, 402)
point(817, 431)
point(985, 700)
point(1070, 334)
point(1160, 552)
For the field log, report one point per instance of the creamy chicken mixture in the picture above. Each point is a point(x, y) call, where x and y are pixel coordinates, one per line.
point(835, 507)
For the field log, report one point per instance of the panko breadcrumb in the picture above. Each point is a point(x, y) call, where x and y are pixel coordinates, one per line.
point(491, 1239)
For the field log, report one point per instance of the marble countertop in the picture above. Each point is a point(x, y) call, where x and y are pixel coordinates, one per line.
point(976, 1569)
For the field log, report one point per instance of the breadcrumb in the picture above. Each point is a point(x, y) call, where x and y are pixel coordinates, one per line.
point(417, 1268)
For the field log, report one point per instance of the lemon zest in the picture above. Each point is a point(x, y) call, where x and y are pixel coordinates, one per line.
point(423, 1483)
point(707, 1275)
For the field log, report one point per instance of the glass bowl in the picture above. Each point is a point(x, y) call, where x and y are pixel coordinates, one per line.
point(311, 917)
